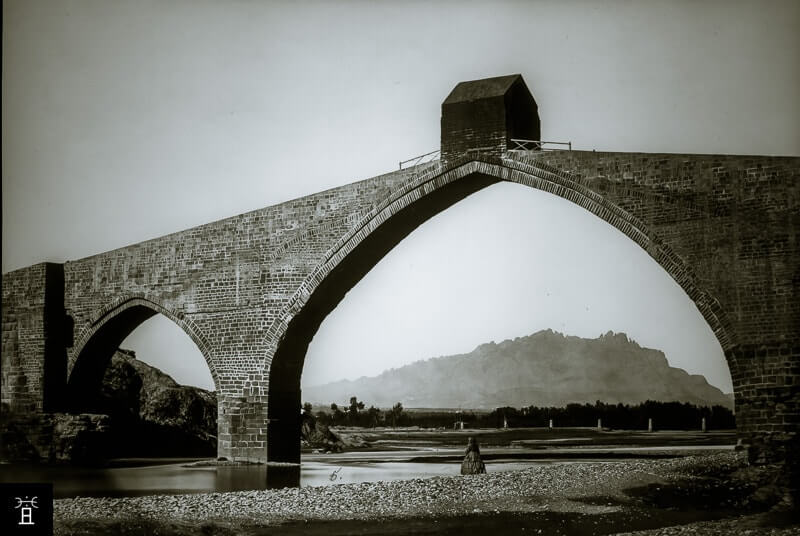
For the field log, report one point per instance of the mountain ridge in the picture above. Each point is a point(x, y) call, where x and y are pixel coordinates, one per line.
point(546, 368)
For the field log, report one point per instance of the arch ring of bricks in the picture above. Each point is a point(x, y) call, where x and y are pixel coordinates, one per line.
point(511, 171)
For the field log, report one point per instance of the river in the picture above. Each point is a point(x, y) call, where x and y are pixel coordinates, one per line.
point(171, 476)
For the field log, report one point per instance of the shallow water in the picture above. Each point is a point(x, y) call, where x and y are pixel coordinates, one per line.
point(173, 478)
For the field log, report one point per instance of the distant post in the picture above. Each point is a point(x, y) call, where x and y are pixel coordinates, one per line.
point(551, 423)
point(599, 424)
point(650, 424)
point(703, 424)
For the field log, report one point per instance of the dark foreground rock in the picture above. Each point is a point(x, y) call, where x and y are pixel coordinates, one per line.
point(140, 411)
point(55, 438)
point(152, 415)
point(318, 436)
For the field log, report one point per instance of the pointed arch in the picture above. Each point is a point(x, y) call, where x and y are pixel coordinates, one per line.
point(394, 218)
point(98, 341)
point(482, 172)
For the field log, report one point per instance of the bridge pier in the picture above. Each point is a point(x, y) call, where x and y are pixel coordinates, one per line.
point(241, 428)
point(765, 379)
point(285, 423)
point(35, 333)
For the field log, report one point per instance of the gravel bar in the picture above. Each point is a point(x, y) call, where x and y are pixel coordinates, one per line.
point(437, 496)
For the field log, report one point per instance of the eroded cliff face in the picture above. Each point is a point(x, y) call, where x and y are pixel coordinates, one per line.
point(140, 411)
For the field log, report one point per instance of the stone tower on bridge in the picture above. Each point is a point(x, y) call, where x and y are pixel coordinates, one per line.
point(251, 290)
point(483, 116)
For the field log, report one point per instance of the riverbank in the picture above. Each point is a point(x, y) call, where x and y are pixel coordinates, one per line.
point(579, 437)
point(587, 498)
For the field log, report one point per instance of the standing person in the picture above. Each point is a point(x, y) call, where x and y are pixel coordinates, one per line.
point(472, 464)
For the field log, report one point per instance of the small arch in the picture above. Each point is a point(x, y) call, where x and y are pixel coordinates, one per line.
point(98, 341)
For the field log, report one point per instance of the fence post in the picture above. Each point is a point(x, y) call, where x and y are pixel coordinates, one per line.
point(703, 424)
point(649, 424)
point(551, 423)
point(599, 424)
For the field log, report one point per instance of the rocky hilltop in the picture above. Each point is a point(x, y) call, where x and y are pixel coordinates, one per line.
point(543, 369)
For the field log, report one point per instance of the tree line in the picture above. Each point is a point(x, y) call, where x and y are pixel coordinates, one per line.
point(354, 414)
point(664, 415)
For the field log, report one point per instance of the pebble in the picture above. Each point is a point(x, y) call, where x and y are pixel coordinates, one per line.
point(369, 500)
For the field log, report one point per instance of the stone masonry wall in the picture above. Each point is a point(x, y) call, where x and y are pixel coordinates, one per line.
point(23, 340)
point(725, 227)
point(227, 280)
point(734, 220)
point(473, 125)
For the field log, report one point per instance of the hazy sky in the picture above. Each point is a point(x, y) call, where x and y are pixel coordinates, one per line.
point(127, 120)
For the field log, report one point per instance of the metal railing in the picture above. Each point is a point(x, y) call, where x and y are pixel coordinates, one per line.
point(421, 159)
point(515, 145)
point(537, 145)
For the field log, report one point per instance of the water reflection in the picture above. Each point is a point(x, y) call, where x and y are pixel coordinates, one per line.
point(174, 478)
point(283, 477)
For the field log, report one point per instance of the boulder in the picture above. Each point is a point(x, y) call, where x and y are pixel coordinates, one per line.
point(152, 415)
point(139, 411)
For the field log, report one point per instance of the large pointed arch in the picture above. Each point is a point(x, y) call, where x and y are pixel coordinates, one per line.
point(396, 216)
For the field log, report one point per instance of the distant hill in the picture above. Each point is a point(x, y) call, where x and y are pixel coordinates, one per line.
point(543, 369)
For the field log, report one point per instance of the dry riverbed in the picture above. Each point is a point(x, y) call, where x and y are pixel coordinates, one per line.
point(692, 495)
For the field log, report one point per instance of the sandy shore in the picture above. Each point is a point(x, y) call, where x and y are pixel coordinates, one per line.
point(587, 498)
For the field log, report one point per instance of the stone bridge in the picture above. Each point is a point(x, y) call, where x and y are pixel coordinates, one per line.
point(252, 290)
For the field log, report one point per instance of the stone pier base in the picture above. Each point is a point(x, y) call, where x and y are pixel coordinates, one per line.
point(242, 429)
point(766, 379)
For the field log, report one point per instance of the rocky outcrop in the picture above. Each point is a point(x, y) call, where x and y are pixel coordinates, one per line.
point(55, 438)
point(152, 415)
point(140, 411)
point(317, 436)
point(543, 369)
